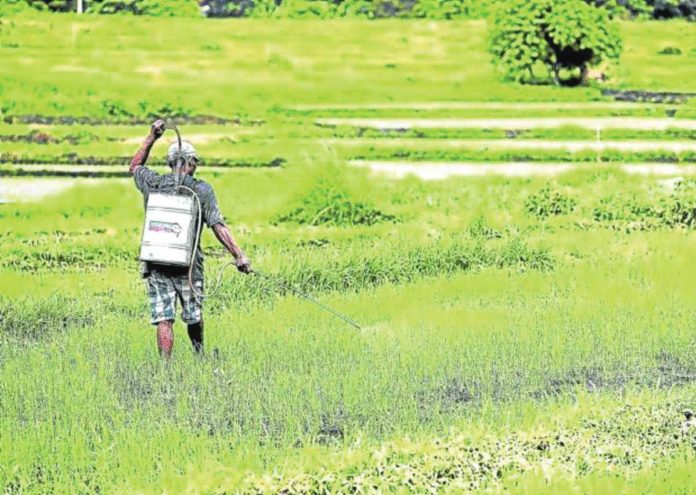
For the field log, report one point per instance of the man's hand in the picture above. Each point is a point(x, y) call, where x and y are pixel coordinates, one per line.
point(157, 129)
point(243, 264)
point(224, 235)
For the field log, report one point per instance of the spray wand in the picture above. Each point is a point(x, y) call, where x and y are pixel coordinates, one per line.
point(278, 283)
point(307, 297)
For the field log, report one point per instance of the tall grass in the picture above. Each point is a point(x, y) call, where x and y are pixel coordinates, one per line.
point(91, 404)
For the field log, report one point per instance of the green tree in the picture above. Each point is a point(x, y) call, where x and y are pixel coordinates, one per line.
point(560, 38)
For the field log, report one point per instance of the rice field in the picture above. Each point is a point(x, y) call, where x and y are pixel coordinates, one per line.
point(519, 260)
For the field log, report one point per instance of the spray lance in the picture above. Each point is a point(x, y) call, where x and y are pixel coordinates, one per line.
point(168, 215)
point(307, 297)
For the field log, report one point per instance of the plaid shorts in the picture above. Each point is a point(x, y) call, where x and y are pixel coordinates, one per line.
point(164, 290)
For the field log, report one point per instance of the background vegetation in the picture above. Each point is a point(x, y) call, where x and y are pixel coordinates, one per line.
point(564, 38)
point(431, 9)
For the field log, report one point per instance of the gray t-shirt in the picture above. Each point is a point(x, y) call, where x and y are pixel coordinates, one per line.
point(148, 181)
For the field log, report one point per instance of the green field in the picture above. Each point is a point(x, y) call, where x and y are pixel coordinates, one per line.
point(527, 326)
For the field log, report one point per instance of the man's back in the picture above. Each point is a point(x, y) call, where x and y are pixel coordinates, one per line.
point(149, 181)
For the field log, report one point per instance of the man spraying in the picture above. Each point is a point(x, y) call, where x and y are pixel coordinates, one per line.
point(167, 284)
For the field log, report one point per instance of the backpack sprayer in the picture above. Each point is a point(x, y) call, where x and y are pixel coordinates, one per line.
point(172, 232)
point(172, 227)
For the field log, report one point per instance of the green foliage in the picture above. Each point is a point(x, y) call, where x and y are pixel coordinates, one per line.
point(567, 36)
point(300, 9)
point(439, 9)
point(680, 210)
point(330, 204)
point(477, 465)
point(450, 9)
point(361, 9)
point(624, 8)
point(13, 7)
point(233, 8)
point(35, 320)
point(549, 202)
point(372, 9)
point(479, 229)
point(263, 8)
point(53, 5)
point(674, 211)
point(670, 50)
point(527, 155)
point(158, 8)
point(655, 9)
point(431, 9)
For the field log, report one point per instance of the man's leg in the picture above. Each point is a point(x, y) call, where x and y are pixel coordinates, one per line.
point(165, 338)
point(192, 310)
point(195, 331)
point(162, 296)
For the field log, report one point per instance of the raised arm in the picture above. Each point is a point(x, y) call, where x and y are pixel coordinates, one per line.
point(140, 157)
point(223, 234)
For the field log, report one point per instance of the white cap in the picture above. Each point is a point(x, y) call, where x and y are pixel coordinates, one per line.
point(187, 150)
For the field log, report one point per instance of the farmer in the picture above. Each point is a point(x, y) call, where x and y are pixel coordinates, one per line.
point(166, 284)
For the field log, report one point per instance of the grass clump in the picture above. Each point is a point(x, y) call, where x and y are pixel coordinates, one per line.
point(549, 202)
point(670, 50)
point(674, 211)
point(327, 203)
point(35, 319)
point(681, 206)
point(479, 229)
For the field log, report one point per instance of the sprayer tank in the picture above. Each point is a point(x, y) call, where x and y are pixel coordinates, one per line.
point(169, 231)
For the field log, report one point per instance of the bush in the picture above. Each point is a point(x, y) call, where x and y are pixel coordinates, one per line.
point(547, 203)
point(624, 8)
point(227, 8)
point(53, 5)
point(680, 208)
point(676, 211)
point(164, 8)
point(12, 7)
point(356, 8)
point(159, 8)
point(656, 9)
point(668, 9)
point(369, 9)
point(670, 50)
point(305, 8)
point(565, 38)
point(439, 9)
point(329, 204)
point(479, 229)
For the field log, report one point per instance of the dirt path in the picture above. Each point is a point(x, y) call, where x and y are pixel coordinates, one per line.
point(444, 170)
point(654, 124)
point(520, 144)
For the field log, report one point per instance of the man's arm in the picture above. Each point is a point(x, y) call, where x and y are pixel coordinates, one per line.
point(141, 155)
point(223, 234)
